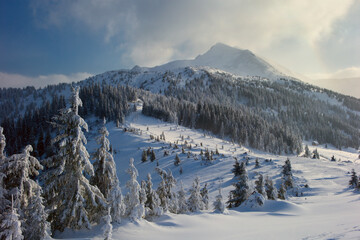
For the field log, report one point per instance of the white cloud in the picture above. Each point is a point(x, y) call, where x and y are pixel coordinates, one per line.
point(154, 32)
point(351, 72)
point(8, 80)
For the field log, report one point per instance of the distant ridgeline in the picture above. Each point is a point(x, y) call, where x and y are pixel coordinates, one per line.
point(273, 116)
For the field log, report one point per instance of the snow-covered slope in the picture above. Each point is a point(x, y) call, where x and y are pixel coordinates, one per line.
point(228, 59)
point(327, 209)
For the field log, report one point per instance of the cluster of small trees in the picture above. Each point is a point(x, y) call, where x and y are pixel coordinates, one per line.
point(354, 181)
point(264, 187)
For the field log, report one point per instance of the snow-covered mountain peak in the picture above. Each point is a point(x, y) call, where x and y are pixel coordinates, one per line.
point(229, 59)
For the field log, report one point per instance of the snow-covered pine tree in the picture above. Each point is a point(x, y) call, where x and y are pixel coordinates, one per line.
point(282, 191)
point(259, 185)
point(144, 156)
point(354, 181)
point(181, 196)
point(177, 160)
point(39, 228)
point(162, 193)
point(10, 227)
point(107, 228)
point(134, 209)
point(152, 156)
point(105, 176)
point(255, 200)
point(257, 164)
point(287, 174)
point(73, 202)
point(307, 152)
point(152, 203)
point(19, 170)
point(242, 189)
point(236, 170)
point(219, 205)
point(2, 144)
point(170, 194)
point(205, 196)
point(271, 191)
point(195, 202)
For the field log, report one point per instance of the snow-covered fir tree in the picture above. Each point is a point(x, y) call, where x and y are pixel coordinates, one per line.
point(307, 152)
point(107, 228)
point(72, 201)
point(170, 194)
point(177, 160)
point(135, 210)
point(282, 191)
point(2, 144)
point(195, 202)
point(105, 176)
point(36, 218)
point(144, 156)
point(205, 196)
point(242, 189)
point(255, 200)
point(181, 196)
point(152, 156)
point(354, 181)
point(287, 174)
point(260, 185)
point(270, 189)
point(18, 170)
point(152, 203)
point(219, 205)
point(162, 193)
point(236, 170)
point(10, 226)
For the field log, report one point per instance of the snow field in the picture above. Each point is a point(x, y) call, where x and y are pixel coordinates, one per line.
point(327, 209)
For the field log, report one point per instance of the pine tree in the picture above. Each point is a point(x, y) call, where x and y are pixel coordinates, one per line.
point(177, 160)
point(72, 200)
point(271, 191)
point(18, 171)
point(195, 202)
point(181, 196)
point(236, 170)
point(255, 200)
point(219, 205)
point(105, 176)
point(107, 228)
point(354, 181)
point(205, 196)
point(152, 203)
point(257, 164)
point(170, 194)
point(152, 156)
point(259, 185)
point(307, 151)
point(287, 174)
point(144, 156)
point(134, 209)
point(11, 225)
point(242, 189)
point(2, 144)
point(282, 191)
point(39, 228)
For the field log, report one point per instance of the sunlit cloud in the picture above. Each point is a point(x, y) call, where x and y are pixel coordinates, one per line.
point(19, 81)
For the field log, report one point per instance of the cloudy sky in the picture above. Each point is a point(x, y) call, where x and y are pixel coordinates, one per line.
point(69, 40)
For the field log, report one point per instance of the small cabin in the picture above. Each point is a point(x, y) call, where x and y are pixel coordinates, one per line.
point(315, 143)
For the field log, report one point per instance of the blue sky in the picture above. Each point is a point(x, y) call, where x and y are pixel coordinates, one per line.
point(48, 41)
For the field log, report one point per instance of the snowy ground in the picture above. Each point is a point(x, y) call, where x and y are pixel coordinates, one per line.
point(327, 209)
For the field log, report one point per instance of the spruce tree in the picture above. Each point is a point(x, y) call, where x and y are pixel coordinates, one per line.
point(195, 202)
point(11, 225)
point(181, 196)
point(205, 196)
point(236, 170)
point(144, 156)
point(242, 189)
point(152, 156)
point(18, 170)
point(354, 181)
point(259, 185)
point(134, 208)
point(271, 191)
point(105, 176)
point(282, 191)
point(219, 205)
point(307, 151)
point(152, 203)
point(287, 174)
point(2, 144)
point(177, 160)
point(73, 202)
